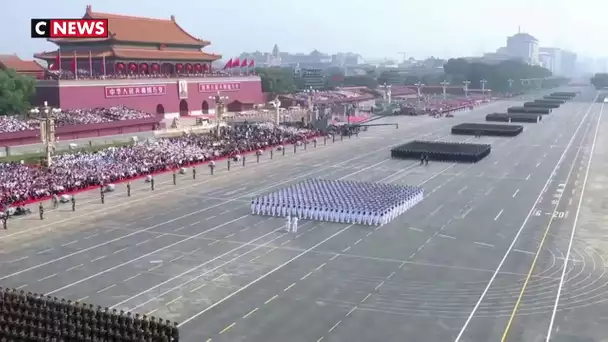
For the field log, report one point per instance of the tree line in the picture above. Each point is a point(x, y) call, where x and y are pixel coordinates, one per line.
point(16, 92)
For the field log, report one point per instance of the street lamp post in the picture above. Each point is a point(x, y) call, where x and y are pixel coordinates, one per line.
point(311, 102)
point(276, 103)
point(387, 92)
point(219, 109)
point(483, 87)
point(444, 86)
point(466, 88)
point(419, 86)
point(47, 129)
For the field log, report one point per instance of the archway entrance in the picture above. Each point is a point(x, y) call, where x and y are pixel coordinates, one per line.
point(234, 106)
point(160, 109)
point(183, 108)
point(205, 107)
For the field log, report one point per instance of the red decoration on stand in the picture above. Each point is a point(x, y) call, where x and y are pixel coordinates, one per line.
point(155, 67)
point(132, 67)
point(120, 66)
point(179, 67)
point(188, 67)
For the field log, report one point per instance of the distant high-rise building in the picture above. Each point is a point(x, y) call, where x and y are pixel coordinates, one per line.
point(551, 59)
point(568, 64)
point(275, 51)
point(524, 46)
point(312, 78)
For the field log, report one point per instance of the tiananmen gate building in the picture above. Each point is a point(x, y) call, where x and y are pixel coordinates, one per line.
point(147, 64)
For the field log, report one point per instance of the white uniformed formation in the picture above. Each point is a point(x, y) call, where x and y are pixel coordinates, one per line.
point(339, 201)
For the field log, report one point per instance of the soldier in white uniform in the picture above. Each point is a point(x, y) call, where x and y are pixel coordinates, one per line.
point(294, 225)
point(288, 223)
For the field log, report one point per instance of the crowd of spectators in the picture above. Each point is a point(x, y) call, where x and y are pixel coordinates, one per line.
point(10, 124)
point(339, 95)
point(291, 114)
point(86, 75)
point(73, 171)
point(437, 106)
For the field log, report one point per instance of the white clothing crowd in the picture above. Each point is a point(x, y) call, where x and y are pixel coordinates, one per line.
point(9, 124)
point(20, 183)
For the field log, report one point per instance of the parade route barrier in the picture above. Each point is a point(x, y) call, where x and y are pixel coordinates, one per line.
point(528, 110)
point(541, 104)
point(514, 117)
point(487, 129)
point(442, 151)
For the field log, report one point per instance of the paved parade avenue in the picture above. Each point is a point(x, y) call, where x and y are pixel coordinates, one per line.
point(481, 258)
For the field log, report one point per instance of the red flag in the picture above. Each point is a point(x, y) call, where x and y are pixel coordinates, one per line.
point(90, 63)
point(205, 66)
point(228, 64)
point(57, 64)
point(244, 63)
point(103, 65)
point(252, 63)
point(236, 63)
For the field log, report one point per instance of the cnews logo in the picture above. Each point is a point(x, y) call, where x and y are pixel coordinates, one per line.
point(69, 28)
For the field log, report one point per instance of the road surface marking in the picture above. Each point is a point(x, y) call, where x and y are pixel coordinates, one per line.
point(378, 286)
point(44, 251)
point(335, 326)
point(321, 266)
point(47, 277)
point(346, 249)
point(141, 243)
point(74, 267)
point(22, 258)
point(515, 193)
point(271, 299)
point(250, 313)
point(416, 229)
point(120, 250)
point(578, 209)
point(366, 297)
point(106, 288)
point(289, 287)
point(228, 328)
point(528, 177)
point(356, 242)
point(173, 301)
point(351, 311)
point(499, 213)
point(198, 287)
point(90, 236)
point(133, 277)
point(193, 223)
point(484, 244)
point(99, 258)
point(306, 276)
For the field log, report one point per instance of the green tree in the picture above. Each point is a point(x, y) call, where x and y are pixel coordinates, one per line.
point(16, 92)
point(277, 80)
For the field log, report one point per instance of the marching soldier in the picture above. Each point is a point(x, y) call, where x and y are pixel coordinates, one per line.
point(41, 211)
point(174, 178)
point(103, 198)
point(229, 164)
point(243, 160)
point(55, 201)
point(152, 183)
point(193, 172)
point(129, 189)
point(426, 158)
point(73, 199)
point(421, 158)
point(4, 222)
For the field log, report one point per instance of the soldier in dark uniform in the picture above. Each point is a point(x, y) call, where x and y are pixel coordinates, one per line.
point(193, 172)
point(426, 158)
point(41, 211)
point(421, 158)
point(4, 222)
point(174, 178)
point(152, 183)
point(103, 197)
point(128, 189)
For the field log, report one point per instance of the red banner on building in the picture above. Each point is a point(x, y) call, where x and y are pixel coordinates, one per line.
point(129, 91)
point(221, 87)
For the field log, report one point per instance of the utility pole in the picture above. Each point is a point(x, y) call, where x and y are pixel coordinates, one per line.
point(47, 129)
point(387, 92)
point(444, 86)
point(466, 88)
point(219, 109)
point(419, 86)
point(483, 87)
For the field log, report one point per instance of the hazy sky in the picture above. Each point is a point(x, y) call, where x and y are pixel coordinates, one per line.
point(378, 28)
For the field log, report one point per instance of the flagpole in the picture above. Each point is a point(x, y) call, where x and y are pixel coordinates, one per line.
point(90, 64)
point(75, 67)
point(59, 57)
point(103, 65)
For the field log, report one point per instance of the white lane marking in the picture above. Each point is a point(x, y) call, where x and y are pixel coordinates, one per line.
point(229, 236)
point(41, 252)
point(81, 299)
point(515, 193)
point(99, 258)
point(578, 209)
point(74, 267)
point(346, 249)
point(21, 286)
point(489, 190)
point(335, 326)
point(498, 215)
point(106, 288)
point(320, 266)
point(47, 277)
point(271, 299)
point(178, 229)
point(528, 177)
point(69, 243)
point(416, 229)
point(176, 258)
point(151, 312)
point(356, 242)
point(250, 313)
point(90, 236)
point(522, 251)
point(210, 217)
point(213, 243)
point(436, 210)
point(22, 258)
point(195, 223)
point(198, 287)
point(446, 236)
point(243, 288)
point(141, 243)
point(162, 235)
point(120, 250)
point(378, 286)
point(484, 244)
point(466, 213)
point(463, 189)
point(521, 228)
point(537, 164)
point(133, 277)
point(289, 287)
point(173, 301)
point(306, 276)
